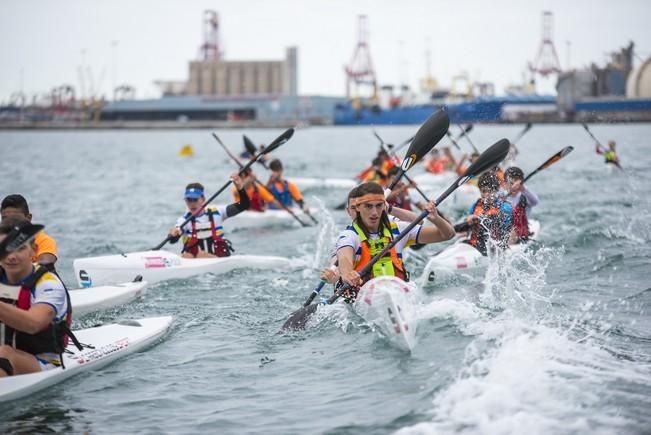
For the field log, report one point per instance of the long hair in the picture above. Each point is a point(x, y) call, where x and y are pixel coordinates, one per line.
point(361, 190)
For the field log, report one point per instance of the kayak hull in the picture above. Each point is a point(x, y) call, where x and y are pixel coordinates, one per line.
point(387, 303)
point(156, 266)
point(109, 342)
point(88, 300)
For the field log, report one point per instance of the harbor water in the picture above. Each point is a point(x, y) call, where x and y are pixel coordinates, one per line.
point(556, 339)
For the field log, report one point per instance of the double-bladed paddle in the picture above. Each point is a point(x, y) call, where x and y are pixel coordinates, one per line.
point(585, 126)
point(278, 202)
point(550, 161)
point(280, 140)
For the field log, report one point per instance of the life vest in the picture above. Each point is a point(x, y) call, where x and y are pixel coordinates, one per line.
point(610, 156)
point(390, 265)
point(214, 244)
point(499, 173)
point(402, 201)
point(520, 220)
point(479, 235)
point(255, 200)
point(283, 196)
point(436, 166)
point(52, 339)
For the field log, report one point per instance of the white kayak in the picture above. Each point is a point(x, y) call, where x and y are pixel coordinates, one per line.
point(461, 257)
point(93, 299)
point(435, 180)
point(108, 342)
point(388, 303)
point(462, 198)
point(323, 183)
point(155, 266)
point(268, 218)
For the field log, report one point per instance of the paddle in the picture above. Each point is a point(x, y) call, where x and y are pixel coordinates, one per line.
point(280, 140)
point(553, 159)
point(283, 206)
point(429, 134)
point(515, 150)
point(585, 126)
point(464, 133)
point(250, 147)
point(399, 147)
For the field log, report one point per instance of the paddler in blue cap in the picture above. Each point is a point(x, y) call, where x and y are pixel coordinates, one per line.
point(203, 236)
point(35, 310)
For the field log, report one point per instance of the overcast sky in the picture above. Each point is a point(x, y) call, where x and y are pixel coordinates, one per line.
point(43, 44)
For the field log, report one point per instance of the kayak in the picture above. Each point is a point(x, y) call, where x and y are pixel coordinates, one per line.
point(92, 299)
point(323, 183)
point(388, 304)
point(462, 198)
point(108, 342)
point(435, 180)
point(155, 266)
point(268, 218)
point(461, 257)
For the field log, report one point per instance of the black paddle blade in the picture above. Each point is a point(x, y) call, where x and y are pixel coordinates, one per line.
point(299, 318)
point(427, 136)
point(565, 151)
point(468, 128)
point(249, 145)
point(279, 141)
point(489, 158)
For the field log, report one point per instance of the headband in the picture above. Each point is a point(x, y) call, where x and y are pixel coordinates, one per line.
point(367, 198)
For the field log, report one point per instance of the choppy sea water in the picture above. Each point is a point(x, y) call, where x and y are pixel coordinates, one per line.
point(554, 340)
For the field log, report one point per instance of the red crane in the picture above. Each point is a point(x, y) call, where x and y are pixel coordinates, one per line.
point(546, 62)
point(209, 50)
point(360, 71)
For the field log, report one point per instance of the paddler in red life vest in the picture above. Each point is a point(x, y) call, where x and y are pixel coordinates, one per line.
point(372, 230)
point(46, 246)
point(203, 236)
point(258, 195)
point(437, 163)
point(283, 190)
point(521, 200)
point(35, 310)
point(399, 196)
point(490, 216)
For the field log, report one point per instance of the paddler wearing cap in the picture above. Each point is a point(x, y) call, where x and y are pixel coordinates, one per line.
point(522, 200)
point(371, 230)
point(203, 235)
point(35, 311)
point(46, 246)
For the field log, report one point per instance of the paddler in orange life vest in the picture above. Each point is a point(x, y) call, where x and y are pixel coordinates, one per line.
point(283, 190)
point(258, 195)
point(521, 200)
point(203, 236)
point(35, 311)
point(372, 230)
point(437, 163)
point(490, 216)
point(46, 246)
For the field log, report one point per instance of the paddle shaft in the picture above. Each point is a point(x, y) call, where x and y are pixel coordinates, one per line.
point(277, 201)
point(550, 161)
point(465, 134)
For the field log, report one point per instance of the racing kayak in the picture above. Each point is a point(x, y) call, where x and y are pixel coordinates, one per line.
point(388, 304)
point(155, 266)
point(92, 299)
point(462, 198)
point(462, 256)
point(323, 183)
point(108, 342)
point(435, 180)
point(268, 218)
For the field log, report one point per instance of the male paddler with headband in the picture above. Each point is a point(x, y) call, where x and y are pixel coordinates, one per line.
point(35, 311)
point(372, 229)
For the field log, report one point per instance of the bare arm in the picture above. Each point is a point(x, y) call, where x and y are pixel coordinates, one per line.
point(37, 318)
point(349, 275)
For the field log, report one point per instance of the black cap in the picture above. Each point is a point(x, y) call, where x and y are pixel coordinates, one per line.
point(18, 236)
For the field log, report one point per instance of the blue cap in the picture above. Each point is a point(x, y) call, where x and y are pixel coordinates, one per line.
point(193, 193)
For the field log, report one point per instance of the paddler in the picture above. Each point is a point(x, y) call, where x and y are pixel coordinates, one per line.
point(610, 154)
point(259, 196)
point(46, 246)
point(283, 190)
point(35, 310)
point(522, 200)
point(490, 216)
point(371, 230)
point(203, 236)
point(399, 196)
point(437, 163)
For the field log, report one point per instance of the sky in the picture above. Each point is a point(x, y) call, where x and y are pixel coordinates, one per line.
point(103, 43)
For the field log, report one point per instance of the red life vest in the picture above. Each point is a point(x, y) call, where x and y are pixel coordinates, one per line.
point(520, 221)
point(52, 339)
point(217, 246)
point(255, 201)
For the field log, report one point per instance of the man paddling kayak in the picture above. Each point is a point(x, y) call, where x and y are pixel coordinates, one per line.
point(46, 246)
point(371, 230)
point(490, 216)
point(203, 236)
point(285, 191)
point(35, 311)
point(610, 154)
point(522, 200)
point(259, 196)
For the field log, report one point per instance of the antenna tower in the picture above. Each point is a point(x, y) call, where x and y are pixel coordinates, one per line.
point(209, 50)
point(360, 70)
point(546, 62)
